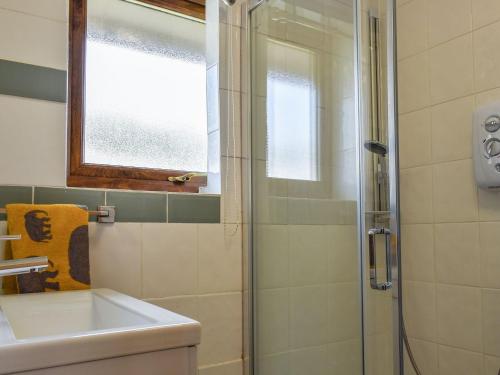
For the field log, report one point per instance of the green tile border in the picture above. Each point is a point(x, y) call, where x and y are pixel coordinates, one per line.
point(32, 81)
point(83, 197)
point(138, 207)
point(15, 194)
point(133, 207)
point(187, 208)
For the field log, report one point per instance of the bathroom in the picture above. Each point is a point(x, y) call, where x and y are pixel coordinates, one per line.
point(268, 187)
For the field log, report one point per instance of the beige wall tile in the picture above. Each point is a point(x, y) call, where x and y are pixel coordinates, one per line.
point(457, 253)
point(273, 328)
point(271, 254)
point(420, 310)
point(402, 2)
point(230, 62)
point(489, 238)
point(459, 316)
point(309, 360)
point(343, 260)
point(448, 19)
point(451, 130)
point(454, 361)
point(485, 12)
point(487, 57)
point(230, 116)
point(415, 139)
point(169, 260)
point(45, 162)
point(221, 328)
point(412, 28)
point(344, 319)
point(115, 257)
point(459, 62)
point(416, 195)
point(455, 192)
point(345, 357)
point(33, 40)
point(278, 364)
point(56, 10)
point(231, 368)
point(486, 97)
point(417, 252)
point(492, 365)
point(413, 83)
point(184, 305)
point(308, 316)
point(308, 255)
point(491, 321)
point(449, 81)
point(219, 258)
point(426, 356)
point(231, 210)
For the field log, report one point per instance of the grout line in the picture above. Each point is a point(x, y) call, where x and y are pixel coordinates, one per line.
point(431, 164)
point(220, 364)
point(429, 47)
point(64, 22)
point(218, 294)
point(432, 105)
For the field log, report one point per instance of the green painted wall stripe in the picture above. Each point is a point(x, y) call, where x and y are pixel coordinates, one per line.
point(32, 81)
point(14, 194)
point(193, 208)
point(82, 197)
point(138, 207)
point(132, 207)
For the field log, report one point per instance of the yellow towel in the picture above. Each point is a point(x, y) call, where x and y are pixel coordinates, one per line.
point(57, 231)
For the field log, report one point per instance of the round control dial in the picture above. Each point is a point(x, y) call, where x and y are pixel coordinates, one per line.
point(492, 123)
point(491, 147)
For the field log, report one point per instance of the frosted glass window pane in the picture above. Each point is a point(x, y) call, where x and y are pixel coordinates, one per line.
point(145, 88)
point(292, 126)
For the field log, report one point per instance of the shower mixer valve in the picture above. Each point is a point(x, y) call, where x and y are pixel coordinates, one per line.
point(486, 146)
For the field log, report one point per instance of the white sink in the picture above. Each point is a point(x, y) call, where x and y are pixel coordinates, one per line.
point(47, 330)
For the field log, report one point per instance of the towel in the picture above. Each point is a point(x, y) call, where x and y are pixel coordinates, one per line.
point(57, 231)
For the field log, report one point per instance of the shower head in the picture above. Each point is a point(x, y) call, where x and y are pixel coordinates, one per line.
point(376, 147)
point(229, 2)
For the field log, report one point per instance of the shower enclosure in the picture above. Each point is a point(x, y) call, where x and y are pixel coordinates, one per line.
point(324, 228)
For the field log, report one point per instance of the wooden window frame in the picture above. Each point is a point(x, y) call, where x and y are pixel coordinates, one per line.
point(81, 174)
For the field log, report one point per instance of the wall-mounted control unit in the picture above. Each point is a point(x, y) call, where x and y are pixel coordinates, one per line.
point(486, 146)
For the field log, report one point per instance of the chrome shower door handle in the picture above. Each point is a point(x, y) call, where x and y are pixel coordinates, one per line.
point(372, 249)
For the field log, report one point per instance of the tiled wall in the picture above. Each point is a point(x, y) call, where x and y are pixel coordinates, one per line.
point(160, 249)
point(449, 64)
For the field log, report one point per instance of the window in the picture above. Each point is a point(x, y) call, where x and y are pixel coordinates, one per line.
point(137, 94)
point(292, 124)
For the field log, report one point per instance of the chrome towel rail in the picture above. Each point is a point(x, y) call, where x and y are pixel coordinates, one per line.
point(104, 214)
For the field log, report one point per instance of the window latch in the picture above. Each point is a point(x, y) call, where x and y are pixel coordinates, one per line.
point(184, 178)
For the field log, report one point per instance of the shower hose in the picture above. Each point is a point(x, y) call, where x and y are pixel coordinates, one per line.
point(408, 349)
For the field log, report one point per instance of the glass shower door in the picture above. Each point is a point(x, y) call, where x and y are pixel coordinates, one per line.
point(324, 189)
point(305, 183)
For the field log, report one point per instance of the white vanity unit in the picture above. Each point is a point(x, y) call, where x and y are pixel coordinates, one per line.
point(94, 332)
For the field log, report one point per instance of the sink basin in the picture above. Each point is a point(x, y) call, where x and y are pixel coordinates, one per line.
point(55, 329)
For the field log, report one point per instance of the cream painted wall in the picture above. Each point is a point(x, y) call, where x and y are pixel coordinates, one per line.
point(193, 269)
point(449, 63)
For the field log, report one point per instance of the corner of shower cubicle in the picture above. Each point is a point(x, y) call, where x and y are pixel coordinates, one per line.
point(250, 312)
